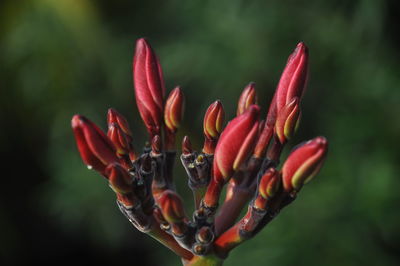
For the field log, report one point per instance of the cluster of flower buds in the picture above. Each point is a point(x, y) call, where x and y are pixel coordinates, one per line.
point(244, 156)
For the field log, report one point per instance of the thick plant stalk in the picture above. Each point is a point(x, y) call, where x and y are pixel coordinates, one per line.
point(242, 158)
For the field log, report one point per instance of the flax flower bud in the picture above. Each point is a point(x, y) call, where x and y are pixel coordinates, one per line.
point(236, 143)
point(293, 79)
point(119, 178)
point(213, 120)
point(212, 126)
point(247, 98)
point(171, 207)
point(96, 150)
point(287, 121)
point(269, 183)
point(119, 139)
point(174, 107)
point(149, 86)
point(234, 146)
point(303, 163)
point(113, 117)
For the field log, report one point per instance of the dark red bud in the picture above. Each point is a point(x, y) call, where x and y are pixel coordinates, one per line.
point(149, 86)
point(96, 150)
point(113, 117)
point(120, 180)
point(119, 139)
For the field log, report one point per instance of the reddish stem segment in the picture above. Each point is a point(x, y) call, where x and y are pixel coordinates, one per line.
point(235, 201)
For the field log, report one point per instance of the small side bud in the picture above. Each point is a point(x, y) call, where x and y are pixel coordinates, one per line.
point(269, 183)
point(186, 146)
point(213, 120)
point(303, 163)
point(287, 121)
point(119, 139)
point(174, 107)
point(247, 98)
point(172, 207)
point(113, 117)
point(120, 180)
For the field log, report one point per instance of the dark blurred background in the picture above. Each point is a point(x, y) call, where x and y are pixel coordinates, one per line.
point(62, 57)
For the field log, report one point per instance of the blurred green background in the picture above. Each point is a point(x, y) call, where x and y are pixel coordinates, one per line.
point(62, 57)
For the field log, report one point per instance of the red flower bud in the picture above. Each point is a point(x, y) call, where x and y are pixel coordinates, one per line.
point(236, 143)
point(120, 180)
point(174, 107)
point(247, 98)
point(119, 139)
point(171, 207)
point(149, 86)
point(291, 84)
point(96, 150)
point(287, 120)
point(213, 120)
point(269, 183)
point(114, 117)
point(303, 163)
point(293, 79)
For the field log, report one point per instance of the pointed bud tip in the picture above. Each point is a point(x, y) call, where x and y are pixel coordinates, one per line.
point(186, 146)
point(77, 120)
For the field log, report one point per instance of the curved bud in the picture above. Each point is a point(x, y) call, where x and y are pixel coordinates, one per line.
point(171, 207)
point(174, 107)
point(186, 146)
point(149, 86)
point(213, 120)
point(120, 180)
point(119, 138)
point(287, 121)
point(269, 183)
point(236, 143)
point(294, 77)
point(113, 117)
point(247, 98)
point(303, 163)
point(96, 150)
